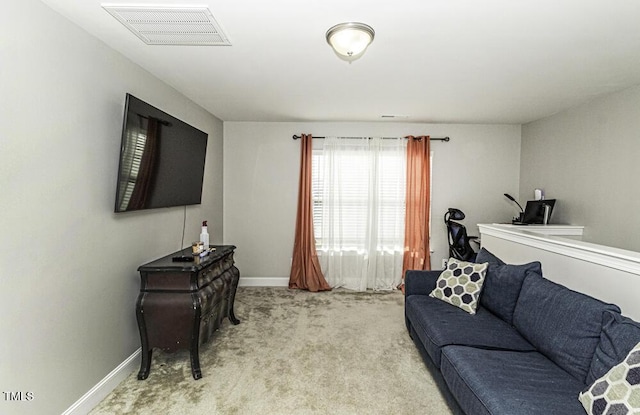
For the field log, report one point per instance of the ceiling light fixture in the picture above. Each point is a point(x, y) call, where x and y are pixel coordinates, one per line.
point(349, 40)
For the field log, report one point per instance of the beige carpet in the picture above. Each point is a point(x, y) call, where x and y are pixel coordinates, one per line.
point(294, 352)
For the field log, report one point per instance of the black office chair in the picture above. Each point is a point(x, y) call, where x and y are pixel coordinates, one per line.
point(459, 246)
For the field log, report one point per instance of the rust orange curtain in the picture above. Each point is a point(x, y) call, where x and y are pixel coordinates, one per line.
point(416, 233)
point(305, 268)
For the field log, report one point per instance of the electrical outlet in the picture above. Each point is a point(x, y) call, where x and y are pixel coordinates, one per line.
point(444, 263)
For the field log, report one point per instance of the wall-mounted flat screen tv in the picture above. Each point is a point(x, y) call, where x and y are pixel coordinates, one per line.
point(161, 159)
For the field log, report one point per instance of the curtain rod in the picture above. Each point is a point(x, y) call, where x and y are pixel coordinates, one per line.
point(445, 139)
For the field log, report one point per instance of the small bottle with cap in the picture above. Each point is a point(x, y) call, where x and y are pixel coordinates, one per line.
point(204, 236)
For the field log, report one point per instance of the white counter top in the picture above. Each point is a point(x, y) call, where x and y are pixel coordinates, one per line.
point(566, 230)
point(547, 239)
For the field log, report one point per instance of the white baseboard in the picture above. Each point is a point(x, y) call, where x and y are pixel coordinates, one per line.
point(263, 282)
point(92, 398)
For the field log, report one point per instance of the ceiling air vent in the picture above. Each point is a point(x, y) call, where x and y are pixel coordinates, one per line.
point(194, 26)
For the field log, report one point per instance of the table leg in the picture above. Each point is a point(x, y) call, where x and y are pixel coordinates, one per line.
point(232, 295)
point(145, 365)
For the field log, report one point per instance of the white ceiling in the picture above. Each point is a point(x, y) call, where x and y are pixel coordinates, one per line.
point(454, 61)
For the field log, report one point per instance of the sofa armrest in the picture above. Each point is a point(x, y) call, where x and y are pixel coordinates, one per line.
point(420, 282)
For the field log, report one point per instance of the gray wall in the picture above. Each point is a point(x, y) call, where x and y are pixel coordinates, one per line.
point(587, 158)
point(68, 279)
point(471, 172)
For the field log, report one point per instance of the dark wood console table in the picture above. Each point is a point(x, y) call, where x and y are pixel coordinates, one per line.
point(181, 304)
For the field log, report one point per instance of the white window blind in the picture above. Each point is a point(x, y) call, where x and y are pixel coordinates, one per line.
point(358, 185)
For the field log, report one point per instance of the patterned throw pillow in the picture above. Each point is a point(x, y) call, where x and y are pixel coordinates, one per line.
point(460, 284)
point(617, 392)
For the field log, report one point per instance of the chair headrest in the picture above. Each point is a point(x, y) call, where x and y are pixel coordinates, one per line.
point(455, 214)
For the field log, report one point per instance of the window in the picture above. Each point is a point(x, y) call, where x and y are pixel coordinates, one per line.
point(358, 190)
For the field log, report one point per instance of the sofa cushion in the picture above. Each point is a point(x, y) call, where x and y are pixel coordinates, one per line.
point(562, 324)
point(502, 284)
point(619, 335)
point(438, 324)
point(509, 383)
point(460, 284)
point(420, 282)
point(618, 391)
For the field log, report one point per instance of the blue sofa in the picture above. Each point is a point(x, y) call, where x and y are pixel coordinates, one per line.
point(531, 348)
